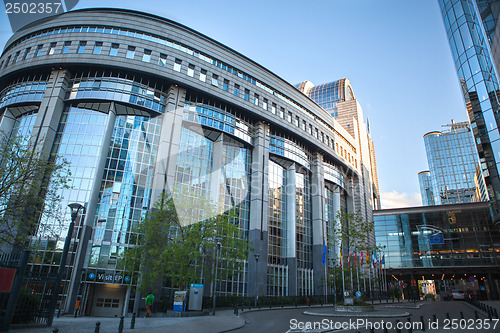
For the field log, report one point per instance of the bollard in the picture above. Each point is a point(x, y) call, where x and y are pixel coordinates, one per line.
point(385, 329)
point(372, 330)
point(55, 330)
point(398, 330)
point(410, 329)
point(423, 323)
point(97, 327)
point(490, 317)
point(120, 326)
point(476, 315)
point(447, 316)
point(132, 322)
point(235, 309)
point(461, 315)
point(434, 318)
point(496, 313)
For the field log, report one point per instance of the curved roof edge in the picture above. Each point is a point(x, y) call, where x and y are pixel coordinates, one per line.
point(432, 133)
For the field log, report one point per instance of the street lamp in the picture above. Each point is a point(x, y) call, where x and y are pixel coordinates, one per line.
point(256, 255)
point(75, 209)
point(216, 265)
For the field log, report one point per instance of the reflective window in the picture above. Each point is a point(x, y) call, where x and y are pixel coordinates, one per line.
point(23, 92)
point(256, 99)
point(236, 89)
point(65, 49)
point(81, 47)
point(246, 97)
point(130, 52)
point(203, 75)
point(113, 51)
point(273, 108)
point(146, 57)
point(290, 149)
point(52, 48)
point(177, 65)
point(215, 80)
point(16, 56)
point(163, 60)
point(264, 104)
point(190, 71)
point(97, 48)
point(38, 51)
point(225, 85)
point(26, 53)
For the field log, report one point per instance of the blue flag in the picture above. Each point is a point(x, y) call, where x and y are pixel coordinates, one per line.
point(323, 257)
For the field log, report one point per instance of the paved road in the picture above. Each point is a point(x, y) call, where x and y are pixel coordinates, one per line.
point(293, 320)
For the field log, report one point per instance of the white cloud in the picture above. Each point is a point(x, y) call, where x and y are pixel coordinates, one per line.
point(395, 199)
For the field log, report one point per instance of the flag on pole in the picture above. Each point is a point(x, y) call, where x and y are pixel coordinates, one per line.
point(323, 257)
point(355, 258)
point(340, 257)
point(361, 259)
point(349, 259)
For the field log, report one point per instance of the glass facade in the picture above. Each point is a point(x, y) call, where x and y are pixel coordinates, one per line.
point(424, 179)
point(470, 48)
point(452, 159)
point(327, 95)
point(439, 236)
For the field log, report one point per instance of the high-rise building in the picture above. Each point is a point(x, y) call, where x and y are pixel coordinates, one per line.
point(138, 104)
point(471, 29)
point(454, 175)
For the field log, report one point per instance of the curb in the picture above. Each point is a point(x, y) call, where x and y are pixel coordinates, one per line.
point(359, 315)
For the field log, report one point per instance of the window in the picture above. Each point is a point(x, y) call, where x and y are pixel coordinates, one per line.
point(203, 75)
point(264, 104)
point(114, 50)
point(146, 57)
point(310, 129)
point(296, 121)
point(163, 60)
point(316, 133)
point(215, 80)
point(273, 108)
point(177, 65)
point(27, 53)
point(289, 116)
point(190, 71)
point(130, 52)
point(38, 51)
point(236, 89)
point(255, 99)
point(282, 112)
point(7, 61)
point(247, 95)
point(304, 125)
point(225, 85)
point(97, 48)
point(16, 56)
point(65, 49)
point(81, 47)
point(52, 49)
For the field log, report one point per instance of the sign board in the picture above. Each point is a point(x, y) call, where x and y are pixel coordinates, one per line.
point(196, 297)
point(180, 300)
point(358, 293)
point(436, 239)
point(6, 279)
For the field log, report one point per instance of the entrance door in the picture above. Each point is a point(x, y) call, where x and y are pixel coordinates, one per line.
point(108, 300)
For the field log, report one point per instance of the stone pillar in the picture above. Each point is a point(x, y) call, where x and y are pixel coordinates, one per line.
point(336, 225)
point(258, 233)
point(168, 145)
point(318, 224)
point(291, 230)
point(90, 216)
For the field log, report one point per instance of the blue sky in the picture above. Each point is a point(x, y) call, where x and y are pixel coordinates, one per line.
point(394, 52)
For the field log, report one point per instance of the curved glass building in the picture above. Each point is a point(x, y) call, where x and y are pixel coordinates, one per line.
point(136, 104)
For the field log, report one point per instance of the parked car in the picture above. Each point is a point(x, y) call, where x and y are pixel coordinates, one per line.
point(458, 294)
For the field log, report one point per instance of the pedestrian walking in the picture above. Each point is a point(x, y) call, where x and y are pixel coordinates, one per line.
point(150, 299)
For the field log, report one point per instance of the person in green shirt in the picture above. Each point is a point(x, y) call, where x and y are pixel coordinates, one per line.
point(149, 303)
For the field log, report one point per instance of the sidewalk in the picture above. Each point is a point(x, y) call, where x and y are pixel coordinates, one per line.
point(223, 320)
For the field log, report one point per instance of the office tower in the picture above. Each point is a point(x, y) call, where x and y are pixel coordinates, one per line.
point(471, 29)
point(454, 175)
point(139, 104)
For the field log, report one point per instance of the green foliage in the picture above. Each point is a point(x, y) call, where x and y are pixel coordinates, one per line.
point(30, 187)
point(429, 297)
point(179, 238)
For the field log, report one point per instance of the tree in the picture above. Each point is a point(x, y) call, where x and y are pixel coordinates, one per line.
point(30, 187)
point(178, 239)
point(351, 235)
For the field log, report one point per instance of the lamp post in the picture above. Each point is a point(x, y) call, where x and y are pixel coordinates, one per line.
point(256, 255)
point(75, 209)
point(215, 280)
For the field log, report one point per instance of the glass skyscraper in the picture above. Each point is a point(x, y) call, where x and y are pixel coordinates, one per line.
point(470, 26)
point(453, 163)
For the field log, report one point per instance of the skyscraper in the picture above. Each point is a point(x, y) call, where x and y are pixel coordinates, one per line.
point(470, 26)
point(453, 163)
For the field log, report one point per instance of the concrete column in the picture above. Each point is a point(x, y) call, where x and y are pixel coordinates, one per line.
point(90, 216)
point(49, 113)
point(258, 233)
point(291, 230)
point(318, 223)
point(168, 146)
